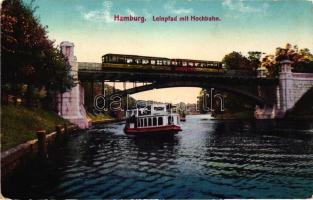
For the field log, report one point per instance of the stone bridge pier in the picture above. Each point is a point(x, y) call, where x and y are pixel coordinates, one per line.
point(283, 97)
point(71, 103)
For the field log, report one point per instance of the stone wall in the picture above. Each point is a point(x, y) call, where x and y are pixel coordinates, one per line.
point(292, 86)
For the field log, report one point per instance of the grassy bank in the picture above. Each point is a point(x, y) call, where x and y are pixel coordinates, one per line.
point(99, 117)
point(19, 124)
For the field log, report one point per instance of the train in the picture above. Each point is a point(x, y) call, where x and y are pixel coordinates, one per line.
point(159, 64)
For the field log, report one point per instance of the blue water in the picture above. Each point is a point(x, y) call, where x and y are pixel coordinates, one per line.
point(208, 159)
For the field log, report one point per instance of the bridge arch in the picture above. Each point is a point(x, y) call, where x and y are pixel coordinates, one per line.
point(157, 85)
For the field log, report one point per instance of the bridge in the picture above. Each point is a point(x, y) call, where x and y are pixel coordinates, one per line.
point(272, 97)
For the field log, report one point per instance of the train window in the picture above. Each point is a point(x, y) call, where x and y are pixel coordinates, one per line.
point(184, 64)
point(159, 62)
point(174, 63)
point(149, 122)
point(145, 122)
point(190, 64)
point(145, 61)
point(114, 58)
point(154, 121)
point(129, 60)
point(160, 121)
point(152, 62)
point(166, 62)
point(196, 64)
point(121, 59)
point(138, 61)
point(203, 65)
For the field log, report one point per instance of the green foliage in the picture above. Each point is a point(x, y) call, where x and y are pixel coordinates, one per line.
point(28, 56)
point(19, 124)
point(236, 61)
point(302, 59)
point(99, 117)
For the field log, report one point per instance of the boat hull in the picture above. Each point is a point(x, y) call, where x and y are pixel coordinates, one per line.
point(169, 129)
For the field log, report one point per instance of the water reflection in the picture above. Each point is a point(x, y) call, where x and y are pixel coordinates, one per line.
point(208, 159)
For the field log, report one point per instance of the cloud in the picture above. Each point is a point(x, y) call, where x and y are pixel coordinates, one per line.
point(170, 7)
point(131, 12)
point(240, 6)
point(102, 15)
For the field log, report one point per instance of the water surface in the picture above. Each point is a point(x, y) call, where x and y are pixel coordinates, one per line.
point(208, 159)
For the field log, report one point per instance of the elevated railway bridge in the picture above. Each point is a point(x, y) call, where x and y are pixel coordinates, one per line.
point(272, 96)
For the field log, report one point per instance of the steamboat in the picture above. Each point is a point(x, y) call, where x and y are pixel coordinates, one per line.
point(153, 119)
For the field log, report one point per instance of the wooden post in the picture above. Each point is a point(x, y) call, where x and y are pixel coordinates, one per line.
point(65, 129)
point(58, 137)
point(42, 145)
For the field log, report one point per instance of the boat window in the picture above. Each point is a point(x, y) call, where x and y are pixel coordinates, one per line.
point(160, 121)
point(170, 120)
point(154, 121)
point(145, 122)
point(149, 122)
point(138, 122)
point(158, 108)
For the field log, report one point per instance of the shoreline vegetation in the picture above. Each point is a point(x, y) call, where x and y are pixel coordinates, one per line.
point(100, 118)
point(19, 124)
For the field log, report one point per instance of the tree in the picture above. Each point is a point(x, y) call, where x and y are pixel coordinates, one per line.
point(28, 56)
point(236, 61)
point(255, 59)
point(302, 59)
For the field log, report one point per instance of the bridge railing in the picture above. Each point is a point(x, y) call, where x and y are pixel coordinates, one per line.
point(89, 66)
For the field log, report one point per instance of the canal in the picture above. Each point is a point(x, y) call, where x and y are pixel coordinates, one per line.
point(208, 159)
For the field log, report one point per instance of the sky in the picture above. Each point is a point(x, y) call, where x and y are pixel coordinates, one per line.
point(253, 25)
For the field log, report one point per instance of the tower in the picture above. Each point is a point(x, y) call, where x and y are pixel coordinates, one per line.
point(71, 103)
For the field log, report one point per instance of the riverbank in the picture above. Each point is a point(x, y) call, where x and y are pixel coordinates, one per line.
point(237, 115)
point(102, 118)
point(19, 124)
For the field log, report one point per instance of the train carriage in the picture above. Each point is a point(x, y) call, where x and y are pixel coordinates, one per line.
point(159, 64)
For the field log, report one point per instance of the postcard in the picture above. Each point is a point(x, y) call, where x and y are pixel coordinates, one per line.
point(162, 99)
